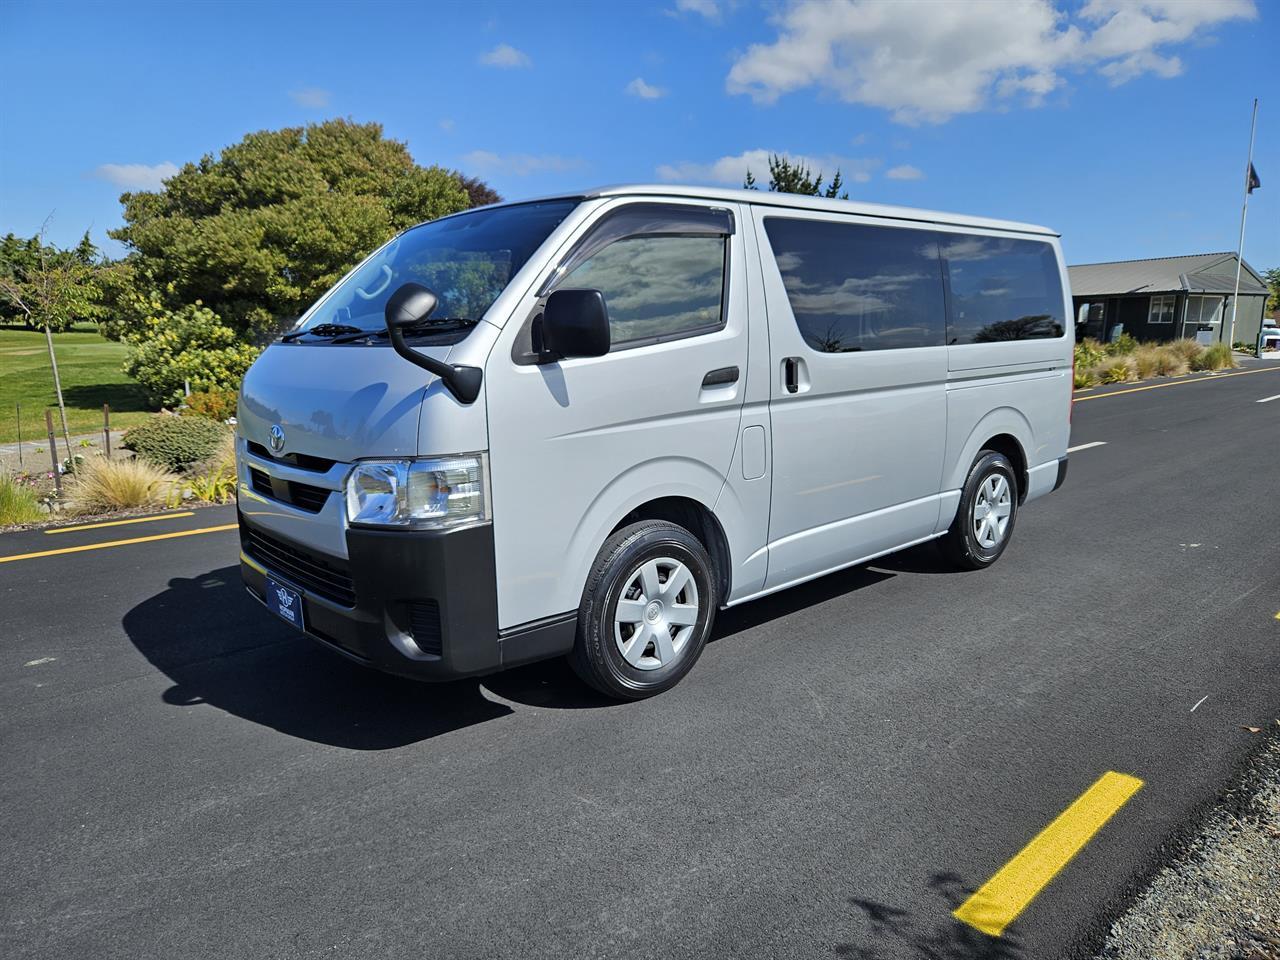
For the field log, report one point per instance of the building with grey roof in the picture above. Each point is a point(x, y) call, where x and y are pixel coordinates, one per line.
point(1166, 298)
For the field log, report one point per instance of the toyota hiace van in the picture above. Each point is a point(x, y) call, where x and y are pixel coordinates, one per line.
point(581, 425)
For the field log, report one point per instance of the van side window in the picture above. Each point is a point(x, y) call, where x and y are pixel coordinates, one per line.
point(1002, 289)
point(855, 287)
point(657, 286)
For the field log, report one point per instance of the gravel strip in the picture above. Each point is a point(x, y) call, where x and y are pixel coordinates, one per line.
point(1220, 899)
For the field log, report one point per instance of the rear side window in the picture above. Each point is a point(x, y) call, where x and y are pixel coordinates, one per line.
point(657, 287)
point(854, 287)
point(1002, 289)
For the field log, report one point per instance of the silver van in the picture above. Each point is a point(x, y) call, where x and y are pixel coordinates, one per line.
point(581, 425)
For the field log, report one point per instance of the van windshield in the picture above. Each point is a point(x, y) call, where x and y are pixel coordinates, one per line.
point(466, 260)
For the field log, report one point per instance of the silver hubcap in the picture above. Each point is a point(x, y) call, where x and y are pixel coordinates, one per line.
point(991, 510)
point(657, 613)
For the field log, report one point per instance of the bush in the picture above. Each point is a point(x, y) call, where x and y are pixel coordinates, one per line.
point(191, 344)
point(104, 485)
point(1089, 353)
point(1122, 345)
point(1170, 363)
point(174, 442)
point(18, 504)
point(1215, 357)
point(215, 480)
point(1119, 371)
point(1187, 349)
point(1146, 361)
point(212, 404)
point(1085, 377)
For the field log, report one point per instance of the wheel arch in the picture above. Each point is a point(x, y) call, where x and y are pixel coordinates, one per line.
point(700, 521)
point(1005, 430)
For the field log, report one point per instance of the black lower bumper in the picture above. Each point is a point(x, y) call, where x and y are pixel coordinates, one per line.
point(1062, 473)
point(421, 604)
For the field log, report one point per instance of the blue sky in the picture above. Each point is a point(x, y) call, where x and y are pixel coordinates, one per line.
point(1121, 124)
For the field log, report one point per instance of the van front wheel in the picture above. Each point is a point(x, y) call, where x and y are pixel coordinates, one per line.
point(646, 611)
point(988, 508)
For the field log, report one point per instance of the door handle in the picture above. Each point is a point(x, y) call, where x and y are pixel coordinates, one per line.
point(791, 374)
point(721, 377)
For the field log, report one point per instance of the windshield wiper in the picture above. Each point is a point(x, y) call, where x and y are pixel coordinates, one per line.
point(324, 330)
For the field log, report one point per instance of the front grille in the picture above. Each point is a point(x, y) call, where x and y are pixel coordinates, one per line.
point(303, 461)
point(325, 576)
point(424, 624)
point(301, 495)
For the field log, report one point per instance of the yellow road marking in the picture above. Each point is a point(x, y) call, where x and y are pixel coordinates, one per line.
point(117, 543)
point(121, 523)
point(1176, 383)
point(999, 901)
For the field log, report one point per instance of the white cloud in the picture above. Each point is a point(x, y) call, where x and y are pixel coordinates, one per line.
point(904, 171)
point(518, 164)
point(927, 62)
point(645, 91)
point(732, 170)
point(312, 98)
point(506, 57)
point(136, 176)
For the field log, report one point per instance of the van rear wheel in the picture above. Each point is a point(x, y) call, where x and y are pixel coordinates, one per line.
point(988, 508)
point(646, 611)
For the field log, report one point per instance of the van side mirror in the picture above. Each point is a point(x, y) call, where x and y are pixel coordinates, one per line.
point(411, 304)
point(575, 323)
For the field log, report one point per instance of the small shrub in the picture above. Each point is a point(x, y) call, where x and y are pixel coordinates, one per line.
point(1119, 371)
point(1170, 363)
point(119, 484)
point(1146, 362)
point(1122, 345)
point(1085, 377)
point(1187, 349)
point(175, 442)
point(215, 480)
point(1215, 357)
point(1089, 353)
point(18, 503)
point(212, 404)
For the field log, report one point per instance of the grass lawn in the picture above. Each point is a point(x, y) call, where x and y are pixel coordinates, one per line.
point(91, 376)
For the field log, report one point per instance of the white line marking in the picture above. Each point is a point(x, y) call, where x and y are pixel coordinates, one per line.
point(42, 660)
point(1200, 701)
point(1086, 446)
point(1268, 399)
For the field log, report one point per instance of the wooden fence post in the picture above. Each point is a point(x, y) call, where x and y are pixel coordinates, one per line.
point(106, 429)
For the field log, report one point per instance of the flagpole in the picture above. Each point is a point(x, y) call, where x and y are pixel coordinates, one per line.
point(1244, 212)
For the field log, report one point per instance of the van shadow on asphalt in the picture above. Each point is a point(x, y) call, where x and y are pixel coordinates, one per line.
point(220, 648)
point(892, 932)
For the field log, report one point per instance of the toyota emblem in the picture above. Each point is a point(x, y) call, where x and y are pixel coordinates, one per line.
point(277, 438)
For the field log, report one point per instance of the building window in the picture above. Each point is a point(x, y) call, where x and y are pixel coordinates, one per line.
point(854, 287)
point(1162, 309)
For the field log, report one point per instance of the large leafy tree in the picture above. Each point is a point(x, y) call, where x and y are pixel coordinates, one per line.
point(788, 177)
point(1272, 277)
point(258, 232)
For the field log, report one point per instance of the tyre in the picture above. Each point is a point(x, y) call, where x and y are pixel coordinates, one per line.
point(986, 515)
point(646, 611)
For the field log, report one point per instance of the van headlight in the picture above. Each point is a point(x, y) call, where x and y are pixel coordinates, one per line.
point(423, 494)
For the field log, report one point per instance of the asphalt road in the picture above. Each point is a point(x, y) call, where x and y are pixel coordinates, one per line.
point(184, 777)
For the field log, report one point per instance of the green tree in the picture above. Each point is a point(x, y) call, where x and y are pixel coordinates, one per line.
point(1272, 277)
point(51, 289)
point(259, 232)
point(788, 177)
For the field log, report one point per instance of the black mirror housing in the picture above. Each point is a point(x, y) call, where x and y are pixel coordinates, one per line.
point(575, 323)
point(411, 303)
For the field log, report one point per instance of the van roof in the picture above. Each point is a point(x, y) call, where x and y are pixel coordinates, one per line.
point(799, 202)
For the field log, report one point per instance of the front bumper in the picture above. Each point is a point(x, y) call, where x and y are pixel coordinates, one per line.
point(420, 604)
